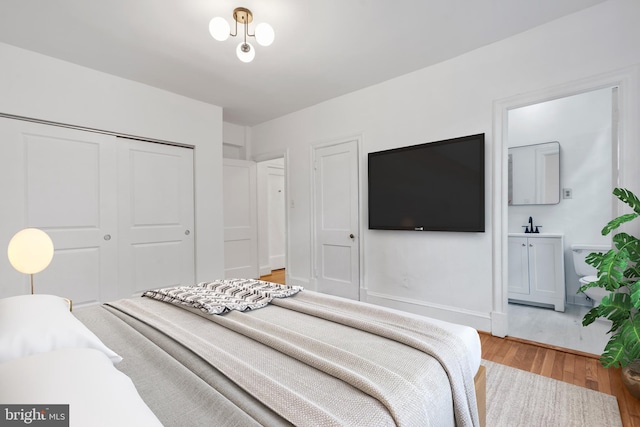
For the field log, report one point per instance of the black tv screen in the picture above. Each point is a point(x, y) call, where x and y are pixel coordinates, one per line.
point(437, 186)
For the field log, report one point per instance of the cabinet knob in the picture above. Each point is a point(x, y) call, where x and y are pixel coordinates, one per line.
point(107, 237)
point(524, 244)
point(530, 245)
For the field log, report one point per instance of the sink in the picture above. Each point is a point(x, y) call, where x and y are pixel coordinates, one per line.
point(536, 234)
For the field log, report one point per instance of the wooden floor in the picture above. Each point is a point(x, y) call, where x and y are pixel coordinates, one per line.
point(577, 368)
point(276, 276)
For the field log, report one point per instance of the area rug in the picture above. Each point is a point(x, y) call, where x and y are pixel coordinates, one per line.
point(520, 398)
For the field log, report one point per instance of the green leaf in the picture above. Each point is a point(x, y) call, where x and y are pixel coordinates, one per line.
point(611, 267)
point(616, 307)
point(590, 317)
point(632, 201)
point(628, 197)
point(617, 222)
point(614, 353)
point(595, 259)
point(631, 338)
point(630, 243)
point(634, 292)
point(632, 272)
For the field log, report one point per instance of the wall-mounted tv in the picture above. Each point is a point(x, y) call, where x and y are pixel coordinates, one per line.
point(437, 186)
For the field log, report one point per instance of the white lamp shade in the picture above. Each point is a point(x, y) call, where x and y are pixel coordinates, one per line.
point(30, 250)
point(219, 29)
point(264, 34)
point(246, 56)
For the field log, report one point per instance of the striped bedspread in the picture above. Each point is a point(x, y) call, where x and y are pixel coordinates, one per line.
point(222, 296)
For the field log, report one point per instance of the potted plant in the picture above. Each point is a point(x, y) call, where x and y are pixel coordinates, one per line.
point(619, 273)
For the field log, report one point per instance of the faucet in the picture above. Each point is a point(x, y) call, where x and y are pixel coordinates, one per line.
point(530, 228)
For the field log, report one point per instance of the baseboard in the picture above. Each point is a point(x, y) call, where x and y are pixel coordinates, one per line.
point(475, 319)
point(499, 326)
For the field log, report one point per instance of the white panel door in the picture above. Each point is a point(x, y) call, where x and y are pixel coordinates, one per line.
point(336, 247)
point(240, 219)
point(65, 186)
point(156, 216)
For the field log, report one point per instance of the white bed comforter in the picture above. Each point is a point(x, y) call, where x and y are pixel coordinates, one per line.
point(319, 360)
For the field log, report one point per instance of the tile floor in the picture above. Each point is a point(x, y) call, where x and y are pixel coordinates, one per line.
point(559, 329)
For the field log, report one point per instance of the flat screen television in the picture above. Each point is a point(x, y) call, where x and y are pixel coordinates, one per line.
point(437, 186)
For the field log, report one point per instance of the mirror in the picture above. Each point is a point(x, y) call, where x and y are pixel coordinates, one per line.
point(534, 174)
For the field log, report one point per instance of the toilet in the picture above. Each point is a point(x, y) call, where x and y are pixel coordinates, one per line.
point(586, 272)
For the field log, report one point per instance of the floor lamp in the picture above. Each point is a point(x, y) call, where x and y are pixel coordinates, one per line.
point(30, 251)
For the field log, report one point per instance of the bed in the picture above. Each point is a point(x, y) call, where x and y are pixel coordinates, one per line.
point(306, 359)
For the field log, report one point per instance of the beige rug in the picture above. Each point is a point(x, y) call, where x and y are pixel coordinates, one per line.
point(517, 398)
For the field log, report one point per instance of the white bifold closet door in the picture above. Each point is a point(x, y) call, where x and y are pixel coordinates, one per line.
point(155, 216)
point(119, 212)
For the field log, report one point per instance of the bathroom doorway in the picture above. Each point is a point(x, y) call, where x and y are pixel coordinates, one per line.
point(585, 126)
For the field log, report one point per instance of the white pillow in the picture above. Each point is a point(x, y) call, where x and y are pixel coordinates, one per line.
point(97, 393)
point(32, 324)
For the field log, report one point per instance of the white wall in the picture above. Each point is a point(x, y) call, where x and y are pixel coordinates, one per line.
point(582, 125)
point(234, 139)
point(445, 275)
point(41, 87)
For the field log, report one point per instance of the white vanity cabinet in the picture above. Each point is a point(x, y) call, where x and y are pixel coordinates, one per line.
point(536, 269)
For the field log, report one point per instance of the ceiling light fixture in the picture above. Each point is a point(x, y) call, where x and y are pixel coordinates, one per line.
point(220, 30)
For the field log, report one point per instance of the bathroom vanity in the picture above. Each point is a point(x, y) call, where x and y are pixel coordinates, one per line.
point(536, 269)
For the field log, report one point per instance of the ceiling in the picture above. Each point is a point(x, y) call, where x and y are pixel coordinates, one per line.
point(323, 48)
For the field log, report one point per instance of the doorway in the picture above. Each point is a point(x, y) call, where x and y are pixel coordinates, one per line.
point(585, 126)
point(628, 82)
point(272, 218)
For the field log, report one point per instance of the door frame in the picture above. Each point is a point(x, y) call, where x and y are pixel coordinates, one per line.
point(628, 82)
point(362, 290)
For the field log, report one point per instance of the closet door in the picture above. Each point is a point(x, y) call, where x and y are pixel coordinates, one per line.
point(61, 180)
point(156, 216)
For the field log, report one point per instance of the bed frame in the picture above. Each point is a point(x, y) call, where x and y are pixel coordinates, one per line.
point(480, 381)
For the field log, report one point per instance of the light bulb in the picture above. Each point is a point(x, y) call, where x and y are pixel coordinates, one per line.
point(264, 34)
point(245, 52)
point(30, 251)
point(219, 29)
